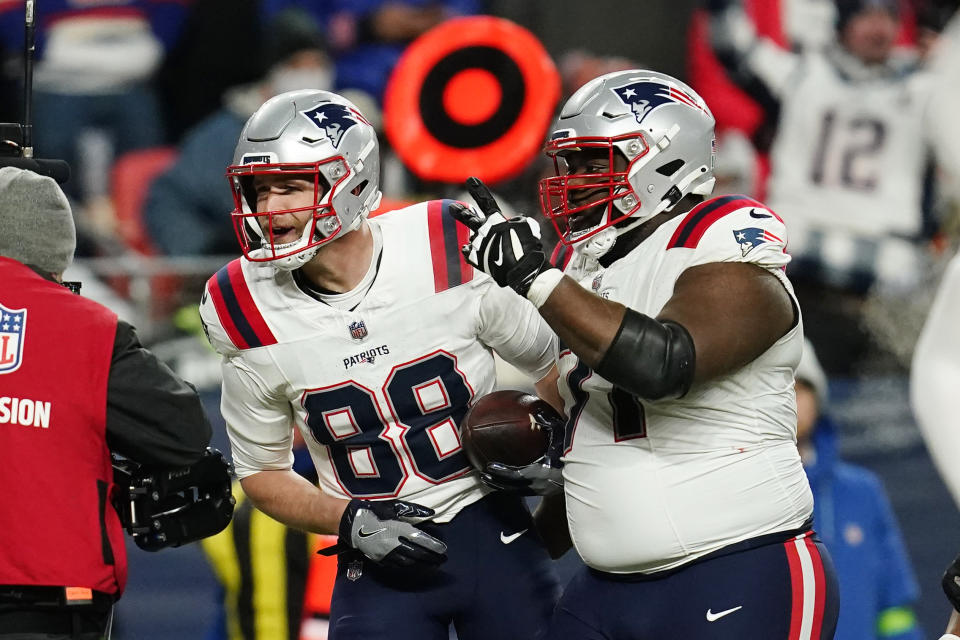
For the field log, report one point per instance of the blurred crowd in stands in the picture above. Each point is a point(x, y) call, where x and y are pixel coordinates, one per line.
point(832, 122)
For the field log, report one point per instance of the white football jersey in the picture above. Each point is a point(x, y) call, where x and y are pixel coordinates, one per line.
point(378, 390)
point(850, 158)
point(651, 485)
point(851, 153)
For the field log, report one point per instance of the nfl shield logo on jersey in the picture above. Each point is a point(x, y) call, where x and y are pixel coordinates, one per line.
point(358, 330)
point(595, 285)
point(13, 324)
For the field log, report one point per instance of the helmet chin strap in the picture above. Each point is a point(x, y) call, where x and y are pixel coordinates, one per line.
point(597, 245)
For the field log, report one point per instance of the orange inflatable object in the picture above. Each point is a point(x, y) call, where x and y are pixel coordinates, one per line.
point(320, 577)
point(473, 96)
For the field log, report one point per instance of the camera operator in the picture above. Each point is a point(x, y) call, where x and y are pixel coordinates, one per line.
point(75, 386)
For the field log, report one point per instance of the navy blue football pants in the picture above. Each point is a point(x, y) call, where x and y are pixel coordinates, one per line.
point(785, 590)
point(495, 584)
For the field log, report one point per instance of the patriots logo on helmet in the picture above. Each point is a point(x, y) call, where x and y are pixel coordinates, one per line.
point(644, 96)
point(334, 120)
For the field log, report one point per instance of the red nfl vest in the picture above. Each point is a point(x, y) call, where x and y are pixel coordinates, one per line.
point(57, 525)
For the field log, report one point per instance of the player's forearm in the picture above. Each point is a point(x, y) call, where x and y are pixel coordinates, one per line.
point(288, 498)
point(585, 323)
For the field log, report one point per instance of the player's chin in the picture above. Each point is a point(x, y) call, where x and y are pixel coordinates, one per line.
point(586, 219)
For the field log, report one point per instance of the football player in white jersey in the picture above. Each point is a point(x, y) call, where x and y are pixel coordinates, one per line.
point(935, 378)
point(680, 334)
point(856, 131)
point(854, 134)
point(372, 337)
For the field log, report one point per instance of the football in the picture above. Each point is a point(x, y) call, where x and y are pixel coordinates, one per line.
point(502, 427)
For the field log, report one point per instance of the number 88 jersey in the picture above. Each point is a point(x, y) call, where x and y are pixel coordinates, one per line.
point(378, 390)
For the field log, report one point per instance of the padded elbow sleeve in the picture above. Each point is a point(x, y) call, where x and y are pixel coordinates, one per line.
point(649, 358)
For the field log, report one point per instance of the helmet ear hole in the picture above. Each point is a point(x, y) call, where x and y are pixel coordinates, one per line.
point(252, 236)
point(670, 168)
point(248, 192)
point(357, 190)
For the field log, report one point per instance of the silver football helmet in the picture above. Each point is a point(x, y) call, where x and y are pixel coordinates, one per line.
point(312, 133)
point(653, 139)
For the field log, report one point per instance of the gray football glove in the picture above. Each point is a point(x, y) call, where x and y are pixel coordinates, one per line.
point(382, 531)
point(539, 478)
point(543, 477)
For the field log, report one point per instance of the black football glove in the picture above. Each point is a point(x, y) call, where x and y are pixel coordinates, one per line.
point(509, 250)
point(543, 477)
point(382, 531)
point(951, 583)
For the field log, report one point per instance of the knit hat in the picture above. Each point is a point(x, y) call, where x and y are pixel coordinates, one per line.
point(288, 32)
point(847, 9)
point(811, 373)
point(36, 224)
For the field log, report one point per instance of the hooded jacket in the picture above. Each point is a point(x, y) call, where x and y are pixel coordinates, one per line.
point(853, 517)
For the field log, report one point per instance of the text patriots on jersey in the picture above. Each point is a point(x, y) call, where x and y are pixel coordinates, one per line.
point(366, 356)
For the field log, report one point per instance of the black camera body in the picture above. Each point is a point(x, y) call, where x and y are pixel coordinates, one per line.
point(163, 507)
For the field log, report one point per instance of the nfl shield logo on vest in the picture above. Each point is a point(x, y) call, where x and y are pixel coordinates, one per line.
point(354, 570)
point(358, 330)
point(13, 323)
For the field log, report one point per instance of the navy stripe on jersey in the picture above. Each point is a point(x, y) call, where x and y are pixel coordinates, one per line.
point(687, 234)
point(451, 246)
point(233, 308)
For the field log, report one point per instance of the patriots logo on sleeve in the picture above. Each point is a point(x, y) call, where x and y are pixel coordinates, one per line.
point(334, 120)
point(752, 237)
point(646, 95)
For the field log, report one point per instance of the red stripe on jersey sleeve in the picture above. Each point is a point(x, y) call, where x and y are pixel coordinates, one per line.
point(450, 268)
point(247, 306)
point(690, 231)
point(437, 253)
point(226, 320)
